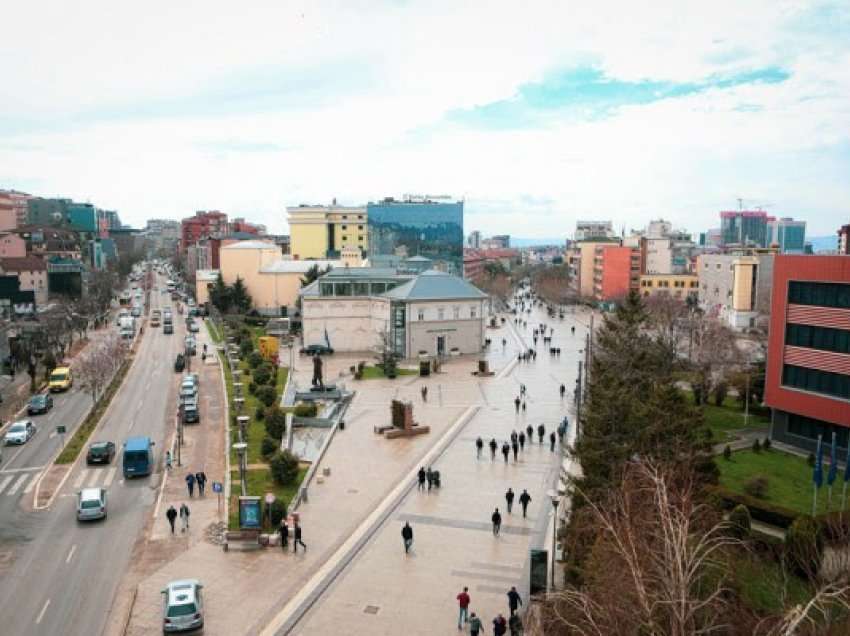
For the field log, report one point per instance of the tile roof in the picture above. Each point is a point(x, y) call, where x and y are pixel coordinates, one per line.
point(23, 264)
point(434, 285)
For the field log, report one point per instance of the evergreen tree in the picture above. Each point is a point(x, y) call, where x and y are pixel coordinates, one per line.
point(220, 295)
point(239, 296)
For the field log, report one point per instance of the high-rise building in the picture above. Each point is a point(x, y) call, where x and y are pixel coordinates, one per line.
point(499, 242)
point(323, 231)
point(593, 230)
point(417, 226)
point(13, 209)
point(808, 359)
point(616, 271)
point(786, 233)
point(743, 227)
point(844, 239)
point(474, 240)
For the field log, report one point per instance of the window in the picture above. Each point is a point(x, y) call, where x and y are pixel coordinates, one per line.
point(810, 428)
point(820, 294)
point(456, 312)
point(473, 312)
point(326, 289)
point(361, 289)
point(342, 289)
point(441, 314)
point(824, 382)
point(344, 227)
point(719, 266)
point(360, 238)
point(360, 216)
point(421, 314)
point(344, 237)
point(378, 288)
point(823, 338)
point(345, 216)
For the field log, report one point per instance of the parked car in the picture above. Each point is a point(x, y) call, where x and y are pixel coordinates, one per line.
point(136, 311)
point(193, 327)
point(183, 606)
point(40, 403)
point(188, 393)
point(91, 504)
point(190, 345)
point(100, 453)
point(179, 362)
point(316, 350)
point(189, 410)
point(20, 432)
point(168, 328)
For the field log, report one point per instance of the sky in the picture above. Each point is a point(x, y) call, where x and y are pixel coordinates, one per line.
point(535, 113)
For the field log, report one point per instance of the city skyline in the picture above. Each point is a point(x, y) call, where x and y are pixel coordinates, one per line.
point(607, 112)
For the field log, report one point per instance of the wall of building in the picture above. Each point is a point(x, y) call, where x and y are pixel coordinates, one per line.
point(246, 263)
point(586, 267)
point(677, 285)
point(464, 332)
point(308, 235)
point(659, 256)
point(352, 324)
point(613, 271)
point(12, 246)
point(36, 282)
point(275, 290)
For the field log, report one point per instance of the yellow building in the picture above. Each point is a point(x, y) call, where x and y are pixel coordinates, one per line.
point(318, 231)
point(676, 285)
point(204, 280)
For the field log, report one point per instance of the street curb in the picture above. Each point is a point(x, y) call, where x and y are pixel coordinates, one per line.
point(288, 618)
point(73, 464)
point(222, 360)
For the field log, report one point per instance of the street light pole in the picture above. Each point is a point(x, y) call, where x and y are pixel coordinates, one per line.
point(555, 497)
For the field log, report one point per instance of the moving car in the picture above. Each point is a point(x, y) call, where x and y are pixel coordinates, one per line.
point(183, 606)
point(40, 403)
point(91, 504)
point(189, 343)
point(20, 432)
point(179, 362)
point(100, 453)
point(316, 350)
point(61, 379)
point(168, 328)
point(138, 457)
point(193, 327)
point(136, 311)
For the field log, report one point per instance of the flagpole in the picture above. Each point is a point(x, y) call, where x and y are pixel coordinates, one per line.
point(817, 476)
point(846, 477)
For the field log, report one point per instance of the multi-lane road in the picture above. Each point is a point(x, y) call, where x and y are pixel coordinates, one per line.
point(59, 576)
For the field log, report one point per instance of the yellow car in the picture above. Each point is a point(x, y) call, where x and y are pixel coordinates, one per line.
point(60, 379)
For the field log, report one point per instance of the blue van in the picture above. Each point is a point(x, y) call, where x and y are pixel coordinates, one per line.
point(138, 457)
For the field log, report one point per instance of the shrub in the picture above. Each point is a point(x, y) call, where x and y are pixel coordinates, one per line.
point(803, 546)
point(360, 366)
point(284, 467)
point(275, 422)
point(252, 387)
point(760, 510)
point(739, 522)
point(358, 375)
point(246, 347)
point(720, 393)
point(810, 460)
point(268, 446)
point(259, 414)
point(756, 445)
point(255, 359)
point(277, 511)
point(756, 486)
point(306, 409)
point(261, 375)
point(727, 453)
point(766, 444)
point(266, 394)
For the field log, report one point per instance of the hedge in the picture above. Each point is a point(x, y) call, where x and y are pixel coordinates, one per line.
point(759, 510)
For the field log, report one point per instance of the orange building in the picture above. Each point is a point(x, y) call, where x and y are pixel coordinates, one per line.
point(616, 270)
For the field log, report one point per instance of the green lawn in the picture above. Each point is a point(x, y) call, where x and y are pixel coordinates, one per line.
point(213, 331)
point(789, 479)
point(763, 587)
point(256, 429)
point(259, 483)
point(725, 421)
point(371, 372)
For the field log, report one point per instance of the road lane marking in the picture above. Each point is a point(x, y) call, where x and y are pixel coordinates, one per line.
point(5, 483)
point(71, 553)
point(95, 475)
point(20, 470)
point(80, 479)
point(43, 610)
point(14, 489)
point(110, 475)
point(31, 485)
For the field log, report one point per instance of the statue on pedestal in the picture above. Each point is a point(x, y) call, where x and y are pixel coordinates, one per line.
point(317, 372)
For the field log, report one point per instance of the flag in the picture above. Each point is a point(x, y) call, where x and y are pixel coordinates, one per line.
point(833, 469)
point(847, 465)
point(817, 477)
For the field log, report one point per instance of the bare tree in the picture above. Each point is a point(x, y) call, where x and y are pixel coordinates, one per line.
point(713, 354)
point(553, 285)
point(96, 365)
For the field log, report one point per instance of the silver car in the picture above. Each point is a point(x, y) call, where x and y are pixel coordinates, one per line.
point(183, 606)
point(20, 432)
point(91, 504)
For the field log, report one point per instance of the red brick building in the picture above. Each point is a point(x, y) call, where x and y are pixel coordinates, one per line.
point(203, 225)
point(808, 360)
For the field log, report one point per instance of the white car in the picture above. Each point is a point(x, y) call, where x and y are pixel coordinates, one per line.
point(20, 432)
point(91, 504)
point(183, 606)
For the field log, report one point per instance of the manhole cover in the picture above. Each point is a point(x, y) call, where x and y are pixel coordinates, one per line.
point(371, 609)
point(353, 491)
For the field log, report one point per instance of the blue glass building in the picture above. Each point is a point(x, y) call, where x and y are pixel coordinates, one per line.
point(417, 226)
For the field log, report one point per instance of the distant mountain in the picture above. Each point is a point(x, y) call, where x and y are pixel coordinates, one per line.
point(532, 242)
point(823, 243)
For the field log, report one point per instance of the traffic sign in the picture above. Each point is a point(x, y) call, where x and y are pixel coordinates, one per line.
point(60, 429)
point(217, 487)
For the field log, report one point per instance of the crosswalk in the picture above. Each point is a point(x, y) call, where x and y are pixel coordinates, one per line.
point(22, 481)
point(94, 477)
point(18, 482)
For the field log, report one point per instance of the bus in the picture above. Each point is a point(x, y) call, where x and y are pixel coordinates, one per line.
point(138, 457)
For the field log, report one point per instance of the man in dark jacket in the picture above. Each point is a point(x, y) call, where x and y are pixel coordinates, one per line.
point(496, 518)
point(552, 438)
point(521, 438)
point(190, 484)
point(493, 447)
point(509, 497)
point(296, 538)
point(524, 500)
point(541, 431)
point(284, 535)
point(529, 431)
point(479, 445)
point(171, 515)
point(407, 536)
point(500, 626)
point(506, 451)
point(422, 478)
point(514, 600)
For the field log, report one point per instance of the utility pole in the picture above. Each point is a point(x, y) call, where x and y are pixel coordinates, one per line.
point(578, 399)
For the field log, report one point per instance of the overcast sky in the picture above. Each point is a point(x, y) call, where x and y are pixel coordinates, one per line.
point(537, 113)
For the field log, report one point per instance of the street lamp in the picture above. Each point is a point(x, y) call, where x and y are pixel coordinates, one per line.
point(241, 448)
point(555, 498)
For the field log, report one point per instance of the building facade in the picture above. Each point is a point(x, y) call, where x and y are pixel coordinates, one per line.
point(736, 288)
point(679, 286)
point(320, 231)
point(203, 225)
point(616, 271)
point(808, 362)
point(743, 227)
point(32, 275)
point(474, 239)
point(16, 202)
point(788, 235)
point(417, 226)
point(844, 239)
point(592, 230)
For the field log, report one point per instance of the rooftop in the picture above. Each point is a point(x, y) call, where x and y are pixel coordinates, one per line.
point(434, 285)
point(251, 245)
point(297, 267)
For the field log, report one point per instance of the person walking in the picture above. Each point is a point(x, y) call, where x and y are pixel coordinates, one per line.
point(521, 439)
point(514, 600)
point(513, 437)
point(496, 518)
point(422, 477)
point(493, 447)
point(523, 406)
point(168, 460)
point(407, 536)
point(463, 606)
point(541, 431)
point(479, 445)
point(563, 390)
point(529, 431)
point(201, 478)
point(505, 451)
point(429, 476)
point(184, 517)
point(296, 539)
point(171, 515)
point(524, 500)
point(517, 403)
point(500, 626)
point(190, 484)
point(515, 448)
point(424, 393)
point(509, 497)
point(284, 534)
point(475, 627)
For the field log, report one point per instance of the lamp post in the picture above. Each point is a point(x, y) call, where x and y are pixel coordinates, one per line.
point(555, 498)
point(241, 448)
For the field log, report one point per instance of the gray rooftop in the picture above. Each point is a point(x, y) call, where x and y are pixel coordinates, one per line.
point(434, 285)
point(364, 272)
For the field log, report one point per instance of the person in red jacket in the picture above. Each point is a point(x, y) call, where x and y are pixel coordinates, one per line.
point(463, 604)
